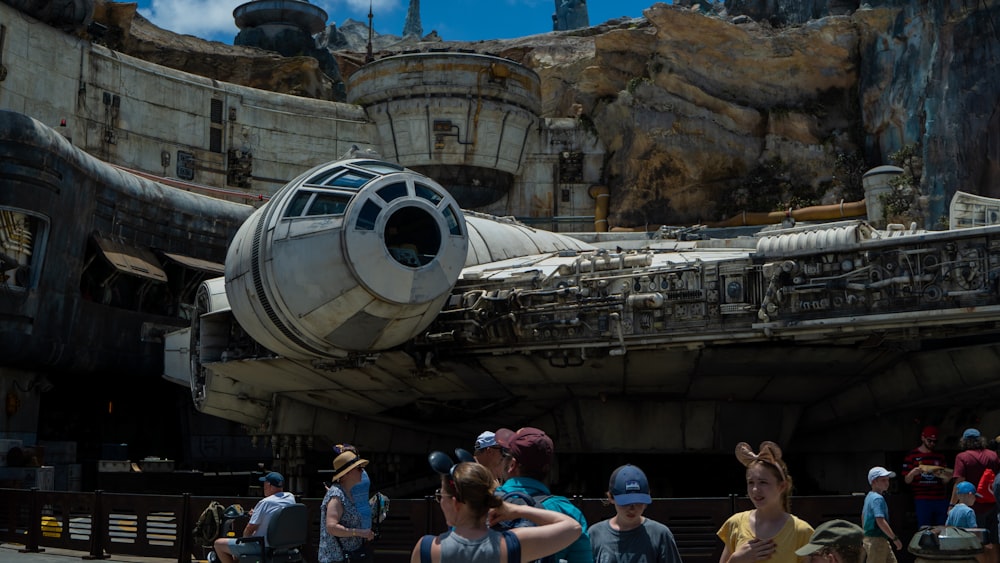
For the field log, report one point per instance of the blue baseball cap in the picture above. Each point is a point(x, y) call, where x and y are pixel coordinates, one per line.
point(970, 433)
point(273, 478)
point(628, 485)
point(965, 488)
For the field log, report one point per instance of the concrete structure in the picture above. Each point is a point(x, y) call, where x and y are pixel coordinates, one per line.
point(166, 122)
point(246, 141)
point(462, 117)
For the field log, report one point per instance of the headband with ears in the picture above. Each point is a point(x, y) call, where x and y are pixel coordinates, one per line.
point(770, 454)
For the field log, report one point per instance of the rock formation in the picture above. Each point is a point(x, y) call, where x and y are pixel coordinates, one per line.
point(570, 14)
point(412, 27)
point(702, 116)
point(785, 12)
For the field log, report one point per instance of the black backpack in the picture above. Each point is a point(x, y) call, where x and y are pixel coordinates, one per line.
point(209, 524)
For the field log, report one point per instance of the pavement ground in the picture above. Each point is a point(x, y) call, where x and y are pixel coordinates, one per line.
point(10, 553)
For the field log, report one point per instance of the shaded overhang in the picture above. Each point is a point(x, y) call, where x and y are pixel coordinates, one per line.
point(131, 260)
point(206, 266)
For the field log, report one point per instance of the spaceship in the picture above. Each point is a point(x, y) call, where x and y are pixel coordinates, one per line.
point(361, 302)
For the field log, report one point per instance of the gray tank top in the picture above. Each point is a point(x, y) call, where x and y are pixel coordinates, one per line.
point(456, 549)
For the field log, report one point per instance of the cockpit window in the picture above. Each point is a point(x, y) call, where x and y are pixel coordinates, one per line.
point(298, 203)
point(323, 177)
point(427, 193)
point(349, 180)
point(328, 204)
point(392, 191)
point(369, 213)
point(452, 220)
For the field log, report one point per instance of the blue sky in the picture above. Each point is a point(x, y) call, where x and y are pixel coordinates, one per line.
point(454, 20)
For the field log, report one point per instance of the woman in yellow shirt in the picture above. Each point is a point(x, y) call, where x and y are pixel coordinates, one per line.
point(769, 531)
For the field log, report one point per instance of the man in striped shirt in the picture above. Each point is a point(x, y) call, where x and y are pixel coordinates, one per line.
point(922, 471)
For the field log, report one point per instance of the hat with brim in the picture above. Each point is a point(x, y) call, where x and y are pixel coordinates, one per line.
point(345, 462)
point(628, 485)
point(832, 534)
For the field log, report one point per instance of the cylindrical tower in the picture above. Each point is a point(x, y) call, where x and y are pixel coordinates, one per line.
point(275, 16)
point(461, 118)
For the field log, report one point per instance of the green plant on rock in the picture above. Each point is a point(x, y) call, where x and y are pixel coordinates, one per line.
point(634, 83)
point(848, 173)
point(767, 187)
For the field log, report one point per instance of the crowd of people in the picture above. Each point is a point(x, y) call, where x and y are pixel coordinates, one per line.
point(498, 507)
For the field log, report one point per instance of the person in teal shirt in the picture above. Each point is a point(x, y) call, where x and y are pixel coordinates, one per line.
point(531, 452)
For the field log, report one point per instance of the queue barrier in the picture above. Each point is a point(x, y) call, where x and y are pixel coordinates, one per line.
point(102, 523)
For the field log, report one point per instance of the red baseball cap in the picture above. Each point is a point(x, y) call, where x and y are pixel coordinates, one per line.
point(930, 432)
point(531, 447)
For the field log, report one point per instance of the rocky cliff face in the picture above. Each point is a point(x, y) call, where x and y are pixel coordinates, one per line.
point(706, 110)
point(699, 113)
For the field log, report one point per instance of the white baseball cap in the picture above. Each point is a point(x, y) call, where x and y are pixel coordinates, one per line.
point(876, 472)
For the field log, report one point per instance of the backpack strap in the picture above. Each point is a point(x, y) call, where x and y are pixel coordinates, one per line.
point(539, 499)
point(425, 548)
point(513, 547)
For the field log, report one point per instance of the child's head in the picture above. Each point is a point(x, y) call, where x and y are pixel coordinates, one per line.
point(767, 475)
point(628, 490)
point(878, 478)
point(966, 493)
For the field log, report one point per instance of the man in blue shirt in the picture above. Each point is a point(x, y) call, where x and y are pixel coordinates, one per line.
point(531, 452)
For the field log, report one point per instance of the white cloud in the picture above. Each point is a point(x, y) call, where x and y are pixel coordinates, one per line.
point(201, 18)
point(213, 19)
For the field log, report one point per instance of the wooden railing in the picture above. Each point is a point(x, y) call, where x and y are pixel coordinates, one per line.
point(102, 523)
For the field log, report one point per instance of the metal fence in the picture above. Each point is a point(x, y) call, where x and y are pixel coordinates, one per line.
point(102, 523)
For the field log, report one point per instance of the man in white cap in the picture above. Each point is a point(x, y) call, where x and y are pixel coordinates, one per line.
point(491, 455)
point(875, 519)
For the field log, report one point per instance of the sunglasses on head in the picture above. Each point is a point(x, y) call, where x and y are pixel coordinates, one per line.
point(439, 494)
point(341, 448)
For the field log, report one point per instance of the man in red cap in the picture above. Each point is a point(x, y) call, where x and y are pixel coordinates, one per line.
point(925, 471)
point(532, 453)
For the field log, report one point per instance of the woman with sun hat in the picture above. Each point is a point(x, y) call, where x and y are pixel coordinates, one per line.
point(341, 532)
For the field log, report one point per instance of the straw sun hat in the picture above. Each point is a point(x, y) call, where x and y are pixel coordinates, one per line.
point(346, 462)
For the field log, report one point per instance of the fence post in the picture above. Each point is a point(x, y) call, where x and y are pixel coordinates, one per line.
point(34, 525)
point(97, 520)
point(184, 531)
point(428, 514)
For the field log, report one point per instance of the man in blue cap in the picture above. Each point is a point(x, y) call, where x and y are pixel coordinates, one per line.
point(275, 498)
